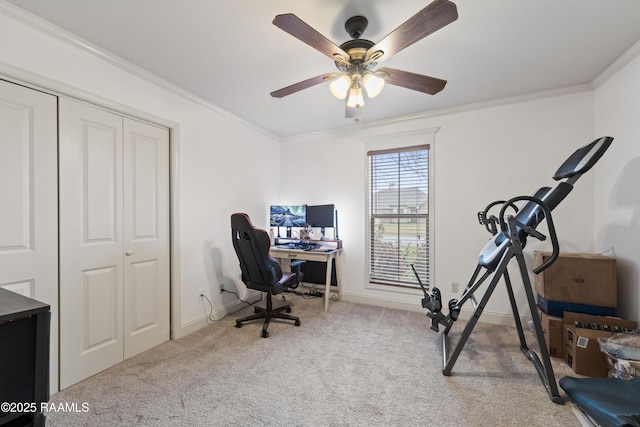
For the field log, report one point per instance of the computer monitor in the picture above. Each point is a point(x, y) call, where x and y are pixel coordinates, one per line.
point(288, 216)
point(321, 216)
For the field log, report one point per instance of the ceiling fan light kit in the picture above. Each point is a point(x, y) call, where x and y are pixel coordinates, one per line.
point(356, 100)
point(357, 58)
point(352, 84)
point(340, 86)
point(373, 83)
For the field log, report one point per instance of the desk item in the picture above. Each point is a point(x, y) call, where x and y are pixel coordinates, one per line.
point(321, 216)
point(287, 216)
point(322, 253)
point(260, 271)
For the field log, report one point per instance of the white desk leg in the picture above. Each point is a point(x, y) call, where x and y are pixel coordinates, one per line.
point(327, 287)
point(338, 281)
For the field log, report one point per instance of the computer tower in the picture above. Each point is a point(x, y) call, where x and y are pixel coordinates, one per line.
point(316, 272)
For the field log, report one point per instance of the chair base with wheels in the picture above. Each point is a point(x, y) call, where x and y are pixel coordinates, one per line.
point(267, 314)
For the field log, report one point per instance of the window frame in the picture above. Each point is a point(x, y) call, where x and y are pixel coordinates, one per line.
point(398, 143)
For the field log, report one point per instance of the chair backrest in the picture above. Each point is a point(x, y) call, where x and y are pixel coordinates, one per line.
point(252, 248)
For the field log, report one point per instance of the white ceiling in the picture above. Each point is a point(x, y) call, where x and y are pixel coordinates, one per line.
point(231, 55)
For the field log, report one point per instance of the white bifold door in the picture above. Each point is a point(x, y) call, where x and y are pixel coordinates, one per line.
point(114, 238)
point(29, 201)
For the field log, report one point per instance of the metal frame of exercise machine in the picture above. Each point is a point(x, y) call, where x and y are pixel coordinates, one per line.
point(506, 244)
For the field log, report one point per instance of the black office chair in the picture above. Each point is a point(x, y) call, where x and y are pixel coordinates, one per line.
point(262, 272)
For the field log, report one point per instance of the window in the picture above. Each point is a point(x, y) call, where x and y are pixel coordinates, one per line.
point(398, 215)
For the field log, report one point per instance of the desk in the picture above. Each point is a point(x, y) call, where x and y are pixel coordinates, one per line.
point(322, 255)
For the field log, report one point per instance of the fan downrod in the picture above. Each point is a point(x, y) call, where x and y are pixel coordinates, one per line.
point(356, 25)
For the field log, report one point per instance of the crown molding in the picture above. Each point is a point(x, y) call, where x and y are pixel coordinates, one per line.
point(35, 22)
point(628, 56)
point(498, 102)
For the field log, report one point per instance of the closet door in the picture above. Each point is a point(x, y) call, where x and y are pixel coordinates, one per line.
point(146, 236)
point(28, 201)
point(114, 239)
point(91, 241)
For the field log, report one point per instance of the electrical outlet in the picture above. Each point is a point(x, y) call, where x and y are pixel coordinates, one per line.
point(454, 287)
point(200, 294)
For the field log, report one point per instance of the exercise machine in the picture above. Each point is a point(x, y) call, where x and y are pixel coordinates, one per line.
point(509, 236)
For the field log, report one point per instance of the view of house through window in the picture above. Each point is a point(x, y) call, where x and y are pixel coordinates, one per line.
point(398, 215)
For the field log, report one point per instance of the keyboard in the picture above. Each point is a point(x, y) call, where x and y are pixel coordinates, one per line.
point(301, 245)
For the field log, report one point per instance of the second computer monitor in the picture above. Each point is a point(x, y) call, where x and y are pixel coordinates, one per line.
point(321, 216)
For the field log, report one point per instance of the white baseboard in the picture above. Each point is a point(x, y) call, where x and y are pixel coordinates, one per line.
point(487, 316)
point(204, 320)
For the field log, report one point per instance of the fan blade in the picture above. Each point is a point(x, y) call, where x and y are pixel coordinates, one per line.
point(299, 29)
point(429, 20)
point(419, 82)
point(280, 93)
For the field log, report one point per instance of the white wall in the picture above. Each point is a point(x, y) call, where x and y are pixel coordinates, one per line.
point(211, 152)
point(617, 195)
point(479, 156)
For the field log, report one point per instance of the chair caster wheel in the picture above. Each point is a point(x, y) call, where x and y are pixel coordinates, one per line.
point(265, 334)
point(288, 309)
point(298, 323)
point(238, 325)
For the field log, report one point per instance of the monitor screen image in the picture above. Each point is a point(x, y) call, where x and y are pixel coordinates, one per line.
point(288, 216)
point(320, 215)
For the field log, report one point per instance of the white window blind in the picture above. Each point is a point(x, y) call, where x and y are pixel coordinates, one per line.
point(399, 215)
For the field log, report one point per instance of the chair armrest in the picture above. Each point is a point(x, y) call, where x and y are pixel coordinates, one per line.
point(295, 265)
point(295, 268)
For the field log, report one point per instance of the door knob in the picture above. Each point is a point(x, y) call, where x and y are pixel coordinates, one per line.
point(128, 253)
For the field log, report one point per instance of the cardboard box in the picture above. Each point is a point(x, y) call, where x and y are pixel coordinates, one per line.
point(581, 349)
point(588, 279)
point(553, 337)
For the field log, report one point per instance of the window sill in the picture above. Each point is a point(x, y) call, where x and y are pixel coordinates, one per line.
point(399, 289)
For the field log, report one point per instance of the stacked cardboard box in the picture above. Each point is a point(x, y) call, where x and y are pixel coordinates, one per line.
point(581, 348)
point(575, 282)
point(552, 328)
point(581, 283)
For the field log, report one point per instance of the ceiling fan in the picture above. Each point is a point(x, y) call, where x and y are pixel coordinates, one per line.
point(357, 58)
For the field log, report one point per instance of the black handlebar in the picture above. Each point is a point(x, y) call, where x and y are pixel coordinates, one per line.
point(489, 222)
point(529, 229)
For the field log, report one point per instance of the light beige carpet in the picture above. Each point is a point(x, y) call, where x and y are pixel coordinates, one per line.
point(356, 365)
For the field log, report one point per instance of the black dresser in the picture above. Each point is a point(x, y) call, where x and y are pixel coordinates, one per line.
point(24, 359)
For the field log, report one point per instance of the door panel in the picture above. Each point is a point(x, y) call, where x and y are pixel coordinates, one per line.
point(101, 180)
point(91, 244)
point(146, 236)
point(28, 201)
point(142, 288)
point(100, 305)
point(17, 156)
